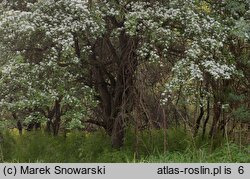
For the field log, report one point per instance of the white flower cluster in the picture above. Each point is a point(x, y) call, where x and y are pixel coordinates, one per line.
point(218, 70)
point(15, 25)
point(177, 34)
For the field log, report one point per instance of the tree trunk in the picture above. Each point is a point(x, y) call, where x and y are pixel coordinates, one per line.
point(117, 136)
point(50, 117)
point(20, 127)
point(48, 126)
point(18, 124)
point(121, 108)
point(217, 113)
point(207, 118)
point(57, 120)
point(114, 87)
point(198, 121)
point(164, 131)
point(123, 100)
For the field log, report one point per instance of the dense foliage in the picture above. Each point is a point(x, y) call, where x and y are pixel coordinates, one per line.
point(117, 65)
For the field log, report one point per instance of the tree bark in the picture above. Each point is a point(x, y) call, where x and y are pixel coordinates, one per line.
point(207, 118)
point(49, 122)
point(217, 113)
point(114, 82)
point(57, 120)
point(198, 121)
point(117, 136)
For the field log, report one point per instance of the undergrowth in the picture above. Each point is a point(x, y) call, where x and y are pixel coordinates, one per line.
point(79, 147)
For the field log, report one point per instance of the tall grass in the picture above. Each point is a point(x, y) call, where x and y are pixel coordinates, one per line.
point(78, 146)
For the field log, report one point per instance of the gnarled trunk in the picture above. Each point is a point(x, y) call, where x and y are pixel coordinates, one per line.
point(115, 88)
